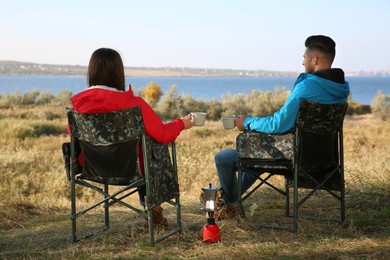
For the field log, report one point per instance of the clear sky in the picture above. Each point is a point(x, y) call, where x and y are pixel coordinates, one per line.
point(232, 34)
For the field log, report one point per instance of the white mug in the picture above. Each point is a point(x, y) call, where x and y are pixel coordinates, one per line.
point(229, 122)
point(198, 118)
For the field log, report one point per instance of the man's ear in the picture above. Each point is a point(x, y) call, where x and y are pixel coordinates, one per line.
point(314, 60)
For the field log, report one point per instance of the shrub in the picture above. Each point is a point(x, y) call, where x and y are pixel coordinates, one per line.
point(5, 102)
point(29, 98)
point(266, 103)
point(235, 104)
point(22, 129)
point(44, 98)
point(152, 93)
point(63, 98)
point(257, 103)
point(381, 106)
point(8, 101)
point(170, 106)
point(52, 115)
point(214, 110)
point(40, 129)
point(355, 108)
point(188, 104)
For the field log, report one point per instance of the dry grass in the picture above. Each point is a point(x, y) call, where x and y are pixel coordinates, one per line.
point(34, 204)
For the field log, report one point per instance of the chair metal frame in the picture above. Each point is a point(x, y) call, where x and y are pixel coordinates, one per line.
point(129, 188)
point(277, 161)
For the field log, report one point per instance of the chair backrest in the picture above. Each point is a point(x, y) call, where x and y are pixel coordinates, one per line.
point(319, 133)
point(109, 143)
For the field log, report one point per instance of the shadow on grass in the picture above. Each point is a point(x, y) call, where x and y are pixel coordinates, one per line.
point(34, 236)
point(46, 233)
point(367, 213)
point(49, 233)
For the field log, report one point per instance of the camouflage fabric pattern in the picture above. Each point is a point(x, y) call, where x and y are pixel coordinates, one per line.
point(162, 174)
point(67, 161)
point(107, 128)
point(320, 118)
point(113, 180)
point(316, 124)
point(320, 124)
point(120, 126)
point(254, 145)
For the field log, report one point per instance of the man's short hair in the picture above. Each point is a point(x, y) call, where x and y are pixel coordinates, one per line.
point(323, 44)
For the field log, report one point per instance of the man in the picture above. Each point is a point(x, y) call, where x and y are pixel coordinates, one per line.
point(320, 83)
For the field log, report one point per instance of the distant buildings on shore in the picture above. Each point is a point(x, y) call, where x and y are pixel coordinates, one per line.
point(16, 68)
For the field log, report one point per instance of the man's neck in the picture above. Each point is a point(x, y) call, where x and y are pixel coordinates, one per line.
point(322, 67)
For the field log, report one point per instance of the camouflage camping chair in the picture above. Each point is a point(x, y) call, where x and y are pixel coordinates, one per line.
point(109, 144)
point(311, 159)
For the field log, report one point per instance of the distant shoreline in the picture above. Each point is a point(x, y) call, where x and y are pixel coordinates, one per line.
point(16, 68)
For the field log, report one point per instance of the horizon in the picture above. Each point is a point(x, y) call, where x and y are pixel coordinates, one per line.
point(348, 73)
point(252, 35)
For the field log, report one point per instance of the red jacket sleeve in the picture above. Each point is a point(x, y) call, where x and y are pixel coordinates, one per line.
point(162, 133)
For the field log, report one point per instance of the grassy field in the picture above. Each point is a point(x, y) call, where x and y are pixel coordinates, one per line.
point(35, 206)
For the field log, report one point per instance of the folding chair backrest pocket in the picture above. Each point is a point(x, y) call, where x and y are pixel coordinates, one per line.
point(112, 164)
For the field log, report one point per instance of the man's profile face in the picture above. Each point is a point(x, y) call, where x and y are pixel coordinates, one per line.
point(308, 61)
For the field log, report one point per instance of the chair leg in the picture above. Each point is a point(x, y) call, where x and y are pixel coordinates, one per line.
point(295, 202)
point(151, 228)
point(342, 209)
point(342, 203)
point(106, 209)
point(177, 199)
point(73, 208)
point(341, 162)
point(287, 213)
point(178, 214)
point(239, 189)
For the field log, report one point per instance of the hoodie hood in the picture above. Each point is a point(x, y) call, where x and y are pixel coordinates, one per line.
point(336, 75)
point(326, 85)
point(98, 99)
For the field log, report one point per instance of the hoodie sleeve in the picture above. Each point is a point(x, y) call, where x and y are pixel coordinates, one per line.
point(282, 120)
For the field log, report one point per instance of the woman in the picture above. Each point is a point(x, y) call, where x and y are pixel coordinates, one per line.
point(107, 92)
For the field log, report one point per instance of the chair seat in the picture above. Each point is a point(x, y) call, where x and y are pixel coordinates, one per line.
point(118, 181)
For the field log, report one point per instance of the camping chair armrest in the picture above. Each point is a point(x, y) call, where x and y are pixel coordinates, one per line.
point(255, 145)
point(162, 178)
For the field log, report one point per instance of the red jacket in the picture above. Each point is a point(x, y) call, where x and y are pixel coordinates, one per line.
point(103, 99)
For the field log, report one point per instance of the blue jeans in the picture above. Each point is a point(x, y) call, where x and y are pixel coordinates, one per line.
point(142, 194)
point(226, 164)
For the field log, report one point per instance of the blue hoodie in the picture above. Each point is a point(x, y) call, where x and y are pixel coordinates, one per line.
point(307, 86)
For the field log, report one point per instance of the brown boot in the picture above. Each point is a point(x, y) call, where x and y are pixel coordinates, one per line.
point(158, 218)
point(229, 211)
